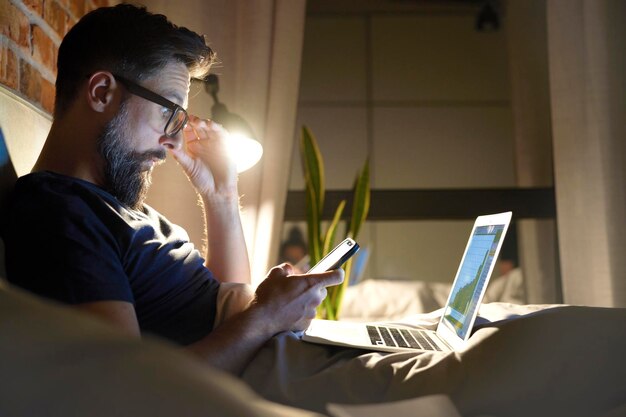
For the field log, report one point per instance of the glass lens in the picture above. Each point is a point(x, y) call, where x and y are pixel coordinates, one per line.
point(176, 122)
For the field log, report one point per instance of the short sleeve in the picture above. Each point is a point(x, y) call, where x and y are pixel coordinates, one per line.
point(59, 248)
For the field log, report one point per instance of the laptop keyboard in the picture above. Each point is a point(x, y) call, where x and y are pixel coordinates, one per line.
point(406, 338)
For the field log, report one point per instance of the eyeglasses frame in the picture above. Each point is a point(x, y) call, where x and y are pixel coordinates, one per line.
point(149, 95)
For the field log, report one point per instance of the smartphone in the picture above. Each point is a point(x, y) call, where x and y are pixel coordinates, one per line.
point(336, 257)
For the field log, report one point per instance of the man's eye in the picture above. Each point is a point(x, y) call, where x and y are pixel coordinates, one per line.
point(165, 112)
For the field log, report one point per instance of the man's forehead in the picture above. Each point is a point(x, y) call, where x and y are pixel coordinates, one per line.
point(173, 82)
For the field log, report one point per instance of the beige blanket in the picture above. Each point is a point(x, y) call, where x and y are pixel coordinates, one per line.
point(521, 361)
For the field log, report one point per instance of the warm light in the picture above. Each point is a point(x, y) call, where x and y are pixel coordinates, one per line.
point(242, 148)
point(245, 151)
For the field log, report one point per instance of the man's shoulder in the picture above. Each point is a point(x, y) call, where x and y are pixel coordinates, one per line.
point(48, 191)
point(57, 204)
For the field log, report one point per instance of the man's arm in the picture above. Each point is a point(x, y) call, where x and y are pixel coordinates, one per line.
point(282, 302)
point(120, 314)
point(227, 253)
point(204, 158)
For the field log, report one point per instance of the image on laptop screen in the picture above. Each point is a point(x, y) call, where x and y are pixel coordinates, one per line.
point(471, 279)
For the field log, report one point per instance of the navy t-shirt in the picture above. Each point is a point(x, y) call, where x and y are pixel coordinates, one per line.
point(69, 240)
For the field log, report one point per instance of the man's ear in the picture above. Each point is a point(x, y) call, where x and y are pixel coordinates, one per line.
point(103, 92)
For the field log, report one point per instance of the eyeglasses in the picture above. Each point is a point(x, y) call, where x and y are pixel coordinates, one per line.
point(178, 117)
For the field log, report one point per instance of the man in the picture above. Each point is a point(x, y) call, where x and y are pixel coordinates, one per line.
point(78, 230)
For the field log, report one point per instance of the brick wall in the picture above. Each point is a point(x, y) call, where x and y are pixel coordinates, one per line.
point(30, 35)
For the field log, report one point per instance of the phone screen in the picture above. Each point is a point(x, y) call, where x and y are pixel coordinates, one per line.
point(336, 257)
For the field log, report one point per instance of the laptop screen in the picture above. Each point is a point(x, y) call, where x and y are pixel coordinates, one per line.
point(472, 276)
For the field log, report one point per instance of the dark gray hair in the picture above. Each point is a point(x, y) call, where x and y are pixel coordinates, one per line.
point(126, 40)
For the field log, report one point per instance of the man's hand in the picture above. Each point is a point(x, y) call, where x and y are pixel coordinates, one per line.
point(289, 301)
point(283, 302)
point(204, 158)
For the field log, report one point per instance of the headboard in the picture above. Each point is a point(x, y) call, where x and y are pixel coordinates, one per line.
point(23, 130)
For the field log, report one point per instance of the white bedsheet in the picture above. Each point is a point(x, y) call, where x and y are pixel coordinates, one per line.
point(380, 299)
point(521, 361)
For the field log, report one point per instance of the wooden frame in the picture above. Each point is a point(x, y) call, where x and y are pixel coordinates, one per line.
point(441, 204)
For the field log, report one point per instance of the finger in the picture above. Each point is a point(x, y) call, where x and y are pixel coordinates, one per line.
point(216, 127)
point(325, 279)
point(304, 322)
point(288, 268)
point(196, 129)
point(194, 120)
point(283, 269)
point(318, 296)
point(181, 157)
point(315, 297)
point(189, 133)
point(323, 293)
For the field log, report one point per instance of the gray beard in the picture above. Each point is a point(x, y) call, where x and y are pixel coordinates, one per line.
point(123, 176)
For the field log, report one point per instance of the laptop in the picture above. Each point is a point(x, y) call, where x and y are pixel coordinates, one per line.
point(458, 316)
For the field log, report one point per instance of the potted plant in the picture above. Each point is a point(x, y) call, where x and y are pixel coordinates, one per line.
point(320, 243)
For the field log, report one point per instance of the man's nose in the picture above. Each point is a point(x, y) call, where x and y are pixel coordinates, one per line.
point(173, 143)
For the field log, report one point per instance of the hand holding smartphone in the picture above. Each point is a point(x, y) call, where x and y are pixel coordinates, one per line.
point(336, 257)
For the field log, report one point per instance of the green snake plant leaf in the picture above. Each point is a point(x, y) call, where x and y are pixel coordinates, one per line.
point(361, 202)
point(313, 166)
point(329, 239)
point(313, 226)
point(339, 290)
point(360, 209)
point(326, 310)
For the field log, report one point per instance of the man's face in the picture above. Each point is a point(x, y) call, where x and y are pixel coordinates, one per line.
point(133, 142)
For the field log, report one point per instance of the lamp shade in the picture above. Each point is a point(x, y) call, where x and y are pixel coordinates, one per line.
point(243, 147)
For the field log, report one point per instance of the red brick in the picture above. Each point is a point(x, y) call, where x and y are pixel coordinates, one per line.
point(8, 68)
point(6, 17)
point(14, 24)
point(71, 22)
point(30, 82)
point(55, 56)
point(43, 48)
point(47, 95)
point(95, 4)
point(34, 5)
point(77, 7)
point(99, 3)
point(56, 17)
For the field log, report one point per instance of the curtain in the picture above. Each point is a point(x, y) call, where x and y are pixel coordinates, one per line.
point(259, 46)
point(530, 103)
point(587, 67)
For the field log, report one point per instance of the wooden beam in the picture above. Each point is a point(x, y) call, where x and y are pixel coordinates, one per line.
point(446, 204)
